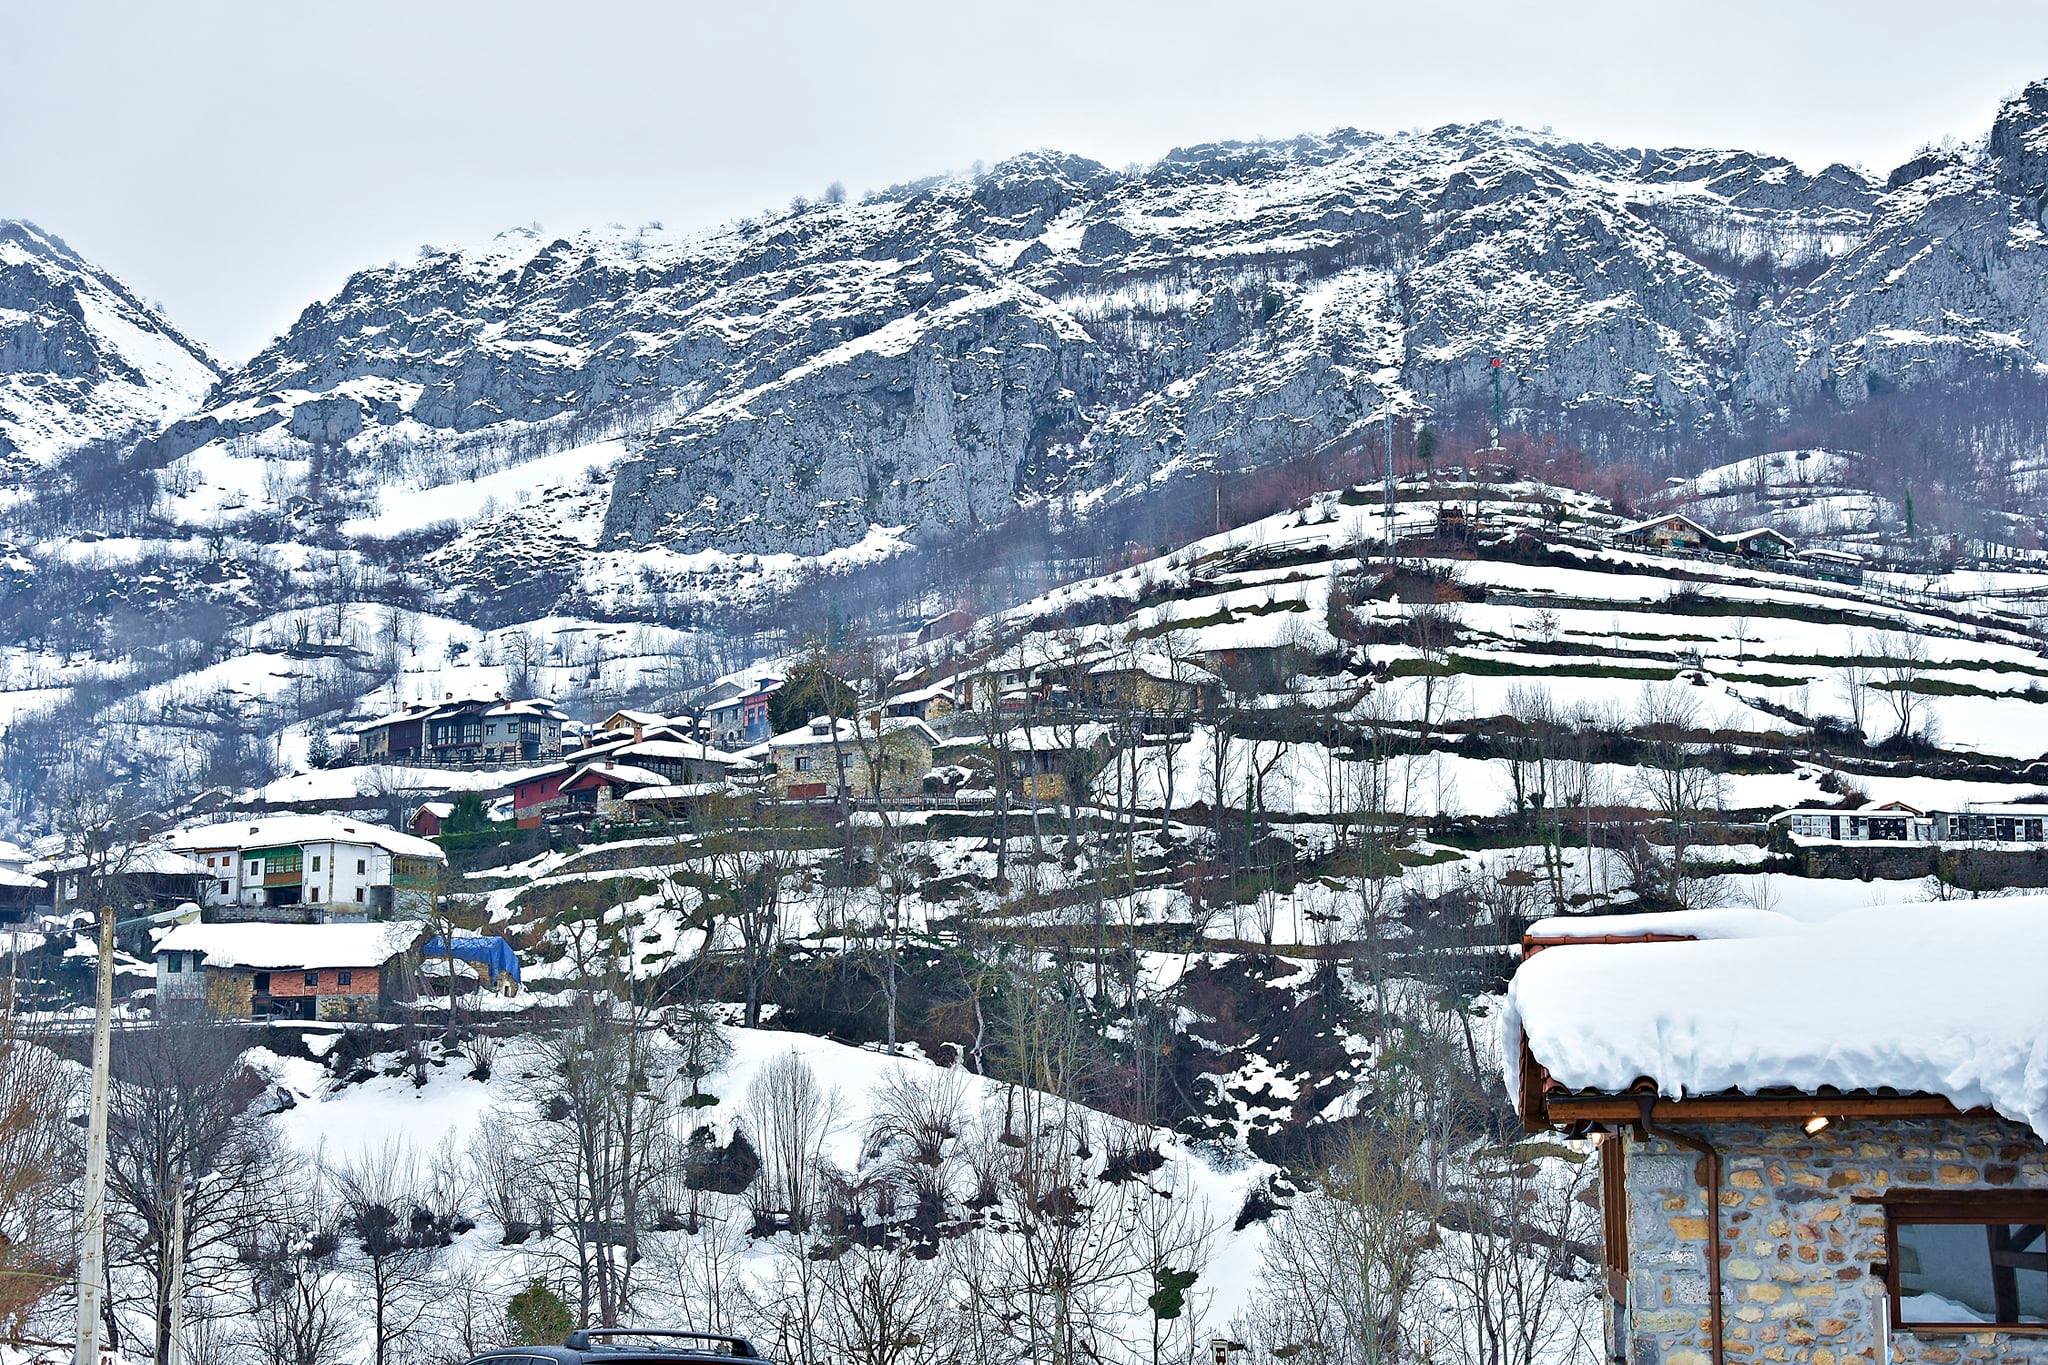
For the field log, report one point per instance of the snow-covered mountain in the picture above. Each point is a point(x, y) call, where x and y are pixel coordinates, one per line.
point(82, 358)
point(639, 448)
point(921, 363)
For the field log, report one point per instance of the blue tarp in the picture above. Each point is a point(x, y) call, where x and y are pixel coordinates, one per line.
point(493, 951)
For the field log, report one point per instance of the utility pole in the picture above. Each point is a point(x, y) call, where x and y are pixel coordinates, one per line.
point(92, 1250)
point(176, 1251)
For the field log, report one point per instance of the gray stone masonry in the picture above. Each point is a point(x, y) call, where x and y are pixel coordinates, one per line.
point(1797, 1249)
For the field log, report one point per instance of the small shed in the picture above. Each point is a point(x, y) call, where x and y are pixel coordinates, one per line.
point(431, 815)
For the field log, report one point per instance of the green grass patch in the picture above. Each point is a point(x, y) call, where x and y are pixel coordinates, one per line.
point(1454, 664)
point(1220, 618)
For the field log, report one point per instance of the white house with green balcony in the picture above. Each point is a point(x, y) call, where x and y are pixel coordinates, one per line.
point(310, 868)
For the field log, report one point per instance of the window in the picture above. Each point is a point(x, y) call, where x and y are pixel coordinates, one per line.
point(252, 867)
point(359, 893)
point(344, 977)
point(316, 862)
point(312, 980)
point(803, 763)
point(224, 888)
point(1969, 1263)
point(362, 866)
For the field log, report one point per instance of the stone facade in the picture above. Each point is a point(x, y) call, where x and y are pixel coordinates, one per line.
point(1798, 1248)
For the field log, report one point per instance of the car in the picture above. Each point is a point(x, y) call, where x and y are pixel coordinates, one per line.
point(630, 1346)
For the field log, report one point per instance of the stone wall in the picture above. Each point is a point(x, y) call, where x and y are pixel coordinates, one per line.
point(1797, 1249)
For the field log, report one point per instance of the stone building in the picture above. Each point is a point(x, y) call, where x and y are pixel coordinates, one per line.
point(1820, 1141)
point(875, 756)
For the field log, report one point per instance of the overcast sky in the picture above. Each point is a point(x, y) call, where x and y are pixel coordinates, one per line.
point(236, 162)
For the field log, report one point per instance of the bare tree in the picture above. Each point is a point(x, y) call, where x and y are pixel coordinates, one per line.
point(1515, 1280)
point(36, 1238)
point(604, 1142)
point(1672, 777)
point(1854, 682)
point(400, 1241)
point(788, 1117)
point(299, 1314)
point(180, 1119)
point(1905, 659)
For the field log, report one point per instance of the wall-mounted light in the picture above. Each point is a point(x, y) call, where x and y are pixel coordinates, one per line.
point(1815, 1124)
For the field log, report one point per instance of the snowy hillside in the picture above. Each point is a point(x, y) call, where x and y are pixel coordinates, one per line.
point(81, 357)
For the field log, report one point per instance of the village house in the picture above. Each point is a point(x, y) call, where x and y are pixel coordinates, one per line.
point(1054, 762)
point(678, 760)
point(298, 971)
point(1761, 543)
point(1992, 824)
point(310, 868)
point(1839, 566)
point(878, 755)
point(945, 624)
point(1672, 531)
point(539, 793)
point(735, 708)
point(22, 891)
point(600, 787)
point(146, 875)
point(1037, 763)
point(1822, 1140)
point(1891, 821)
point(428, 818)
point(1152, 682)
point(462, 731)
point(641, 724)
point(934, 705)
point(1897, 822)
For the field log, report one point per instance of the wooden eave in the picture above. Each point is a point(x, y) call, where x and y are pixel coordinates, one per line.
point(1546, 1104)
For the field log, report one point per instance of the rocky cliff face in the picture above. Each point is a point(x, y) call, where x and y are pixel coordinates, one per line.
point(933, 357)
point(81, 358)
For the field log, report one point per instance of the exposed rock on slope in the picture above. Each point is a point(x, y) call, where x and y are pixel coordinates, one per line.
point(931, 358)
point(81, 357)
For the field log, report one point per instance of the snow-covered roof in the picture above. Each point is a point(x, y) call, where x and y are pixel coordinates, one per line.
point(1938, 999)
point(440, 810)
point(819, 731)
point(265, 947)
point(1741, 536)
point(1867, 808)
point(1842, 555)
point(1047, 739)
point(146, 860)
point(618, 774)
point(641, 718)
point(1659, 520)
point(1164, 667)
point(675, 791)
point(689, 750)
point(277, 831)
point(491, 705)
point(931, 693)
point(737, 686)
